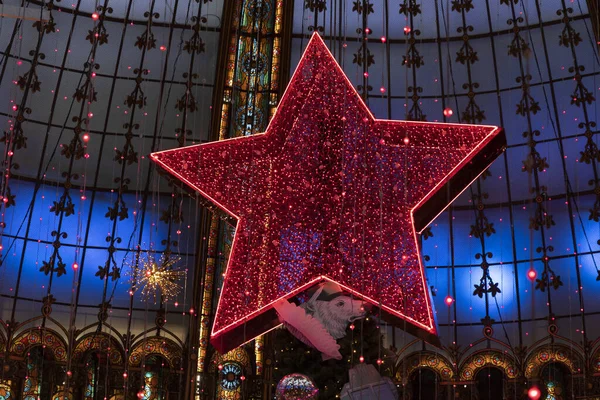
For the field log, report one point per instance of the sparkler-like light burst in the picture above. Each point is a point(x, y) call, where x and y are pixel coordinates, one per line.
point(157, 277)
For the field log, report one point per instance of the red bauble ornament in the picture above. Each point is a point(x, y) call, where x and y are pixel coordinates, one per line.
point(532, 274)
point(321, 197)
point(448, 112)
point(449, 300)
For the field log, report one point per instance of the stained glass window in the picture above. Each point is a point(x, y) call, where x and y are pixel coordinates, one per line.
point(230, 381)
point(6, 390)
point(230, 370)
point(33, 380)
point(90, 377)
point(253, 63)
point(554, 390)
point(151, 386)
point(156, 380)
point(63, 394)
point(554, 382)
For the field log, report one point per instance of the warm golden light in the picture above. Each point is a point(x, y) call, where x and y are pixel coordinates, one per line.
point(157, 277)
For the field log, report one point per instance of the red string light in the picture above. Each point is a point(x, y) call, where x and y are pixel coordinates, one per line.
point(449, 300)
point(534, 393)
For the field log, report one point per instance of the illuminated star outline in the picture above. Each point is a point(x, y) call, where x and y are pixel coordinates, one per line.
point(438, 199)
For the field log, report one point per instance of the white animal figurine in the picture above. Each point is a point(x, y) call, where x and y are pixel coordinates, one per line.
point(334, 309)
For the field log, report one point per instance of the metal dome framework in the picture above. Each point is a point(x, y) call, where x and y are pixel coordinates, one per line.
point(87, 95)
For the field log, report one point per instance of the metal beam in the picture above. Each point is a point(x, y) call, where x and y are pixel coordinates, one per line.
point(31, 14)
point(594, 11)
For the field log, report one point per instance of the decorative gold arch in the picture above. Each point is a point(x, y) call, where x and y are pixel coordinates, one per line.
point(156, 345)
point(549, 353)
point(426, 359)
point(40, 337)
point(102, 343)
point(487, 358)
point(239, 355)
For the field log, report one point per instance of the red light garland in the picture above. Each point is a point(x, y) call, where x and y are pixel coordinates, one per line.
point(328, 192)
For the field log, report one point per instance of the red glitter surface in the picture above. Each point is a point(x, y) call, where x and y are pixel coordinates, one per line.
point(328, 192)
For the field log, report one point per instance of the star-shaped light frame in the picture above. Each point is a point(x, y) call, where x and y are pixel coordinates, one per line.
point(329, 192)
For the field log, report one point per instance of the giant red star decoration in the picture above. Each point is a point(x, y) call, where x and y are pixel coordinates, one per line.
point(329, 192)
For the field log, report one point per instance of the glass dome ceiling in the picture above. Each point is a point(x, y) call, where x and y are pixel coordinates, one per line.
point(87, 99)
point(146, 86)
